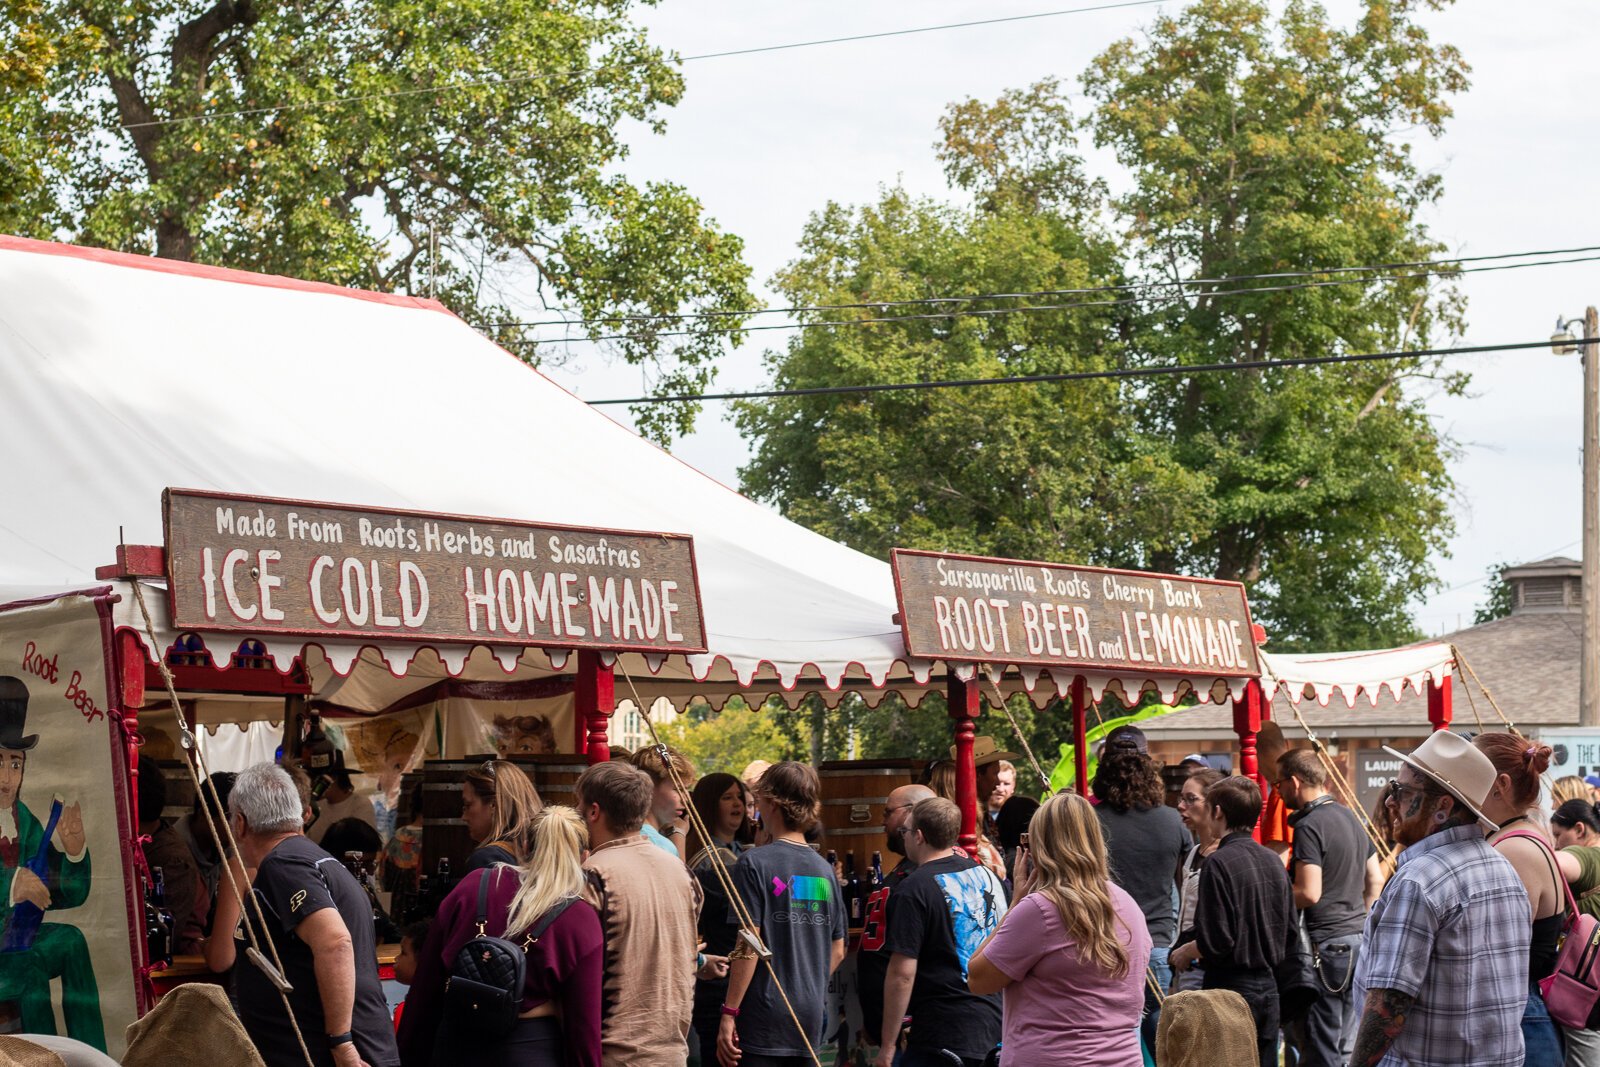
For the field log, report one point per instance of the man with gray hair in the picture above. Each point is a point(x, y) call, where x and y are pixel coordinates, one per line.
point(319, 918)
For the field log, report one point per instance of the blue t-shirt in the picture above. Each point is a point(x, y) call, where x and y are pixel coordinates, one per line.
point(658, 839)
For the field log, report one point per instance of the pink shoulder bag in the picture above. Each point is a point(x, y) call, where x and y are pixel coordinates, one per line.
point(1572, 990)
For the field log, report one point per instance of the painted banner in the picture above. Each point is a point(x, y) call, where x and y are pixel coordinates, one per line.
point(261, 565)
point(967, 608)
point(67, 954)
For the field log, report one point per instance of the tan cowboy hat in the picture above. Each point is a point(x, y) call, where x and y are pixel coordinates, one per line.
point(985, 751)
point(1450, 760)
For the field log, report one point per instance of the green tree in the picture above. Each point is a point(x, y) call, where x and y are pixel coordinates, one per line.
point(1497, 602)
point(1259, 146)
point(466, 148)
point(1039, 471)
point(729, 740)
point(1253, 146)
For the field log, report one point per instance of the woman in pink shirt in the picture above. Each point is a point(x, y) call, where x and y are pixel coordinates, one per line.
point(1070, 953)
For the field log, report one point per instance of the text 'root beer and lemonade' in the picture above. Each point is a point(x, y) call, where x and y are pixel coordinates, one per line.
point(1159, 624)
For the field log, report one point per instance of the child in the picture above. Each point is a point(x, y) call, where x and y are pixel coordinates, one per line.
point(405, 964)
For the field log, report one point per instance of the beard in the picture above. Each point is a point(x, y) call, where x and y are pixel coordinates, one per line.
point(897, 843)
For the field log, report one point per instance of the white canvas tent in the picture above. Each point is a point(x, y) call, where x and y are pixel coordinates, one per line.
point(123, 375)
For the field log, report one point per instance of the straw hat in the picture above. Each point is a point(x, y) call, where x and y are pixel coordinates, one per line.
point(20, 1052)
point(985, 751)
point(1450, 761)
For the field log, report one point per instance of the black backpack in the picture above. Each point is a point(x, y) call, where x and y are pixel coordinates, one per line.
point(483, 994)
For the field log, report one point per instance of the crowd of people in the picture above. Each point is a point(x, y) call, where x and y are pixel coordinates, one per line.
point(670, 919)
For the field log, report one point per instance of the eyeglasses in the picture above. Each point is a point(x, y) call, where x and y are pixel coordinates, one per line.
point(1398, 789)
point(1184, 800)
point(890, 809)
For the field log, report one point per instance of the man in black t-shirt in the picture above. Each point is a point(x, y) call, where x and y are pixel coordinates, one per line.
point(872, 961)
point(320, 920)
point(1336, 877)
point(938, 917)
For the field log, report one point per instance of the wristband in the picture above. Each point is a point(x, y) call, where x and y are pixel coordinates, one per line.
point(346, 1038)
point(730, 1011)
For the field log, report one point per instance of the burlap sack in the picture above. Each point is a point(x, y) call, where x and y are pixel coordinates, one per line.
point(1206, 1028)
point(20, 1052)
point(194, 1024)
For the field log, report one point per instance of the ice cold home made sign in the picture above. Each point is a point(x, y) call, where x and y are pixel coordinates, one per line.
point(260, 566)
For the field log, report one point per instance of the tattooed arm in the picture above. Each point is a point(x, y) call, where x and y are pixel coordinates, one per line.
point(1382, 1019)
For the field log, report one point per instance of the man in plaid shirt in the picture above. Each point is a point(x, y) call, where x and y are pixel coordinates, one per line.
point(1443, 972)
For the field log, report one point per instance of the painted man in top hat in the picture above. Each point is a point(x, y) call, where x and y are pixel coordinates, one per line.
point(27, 967)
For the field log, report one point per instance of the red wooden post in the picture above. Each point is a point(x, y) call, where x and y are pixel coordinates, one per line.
point(1247, 723)
point(595, 698)
point(965, 707)
point(1080, 734)
point(1439, 704)
point(131, 664)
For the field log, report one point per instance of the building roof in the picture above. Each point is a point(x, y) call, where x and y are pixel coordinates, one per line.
point(1528, 661)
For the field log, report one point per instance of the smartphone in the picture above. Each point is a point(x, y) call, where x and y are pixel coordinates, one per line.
point(1022, 841)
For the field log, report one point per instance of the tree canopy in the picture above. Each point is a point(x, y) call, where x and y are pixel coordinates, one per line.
point(418, 146)
point(1252, 146)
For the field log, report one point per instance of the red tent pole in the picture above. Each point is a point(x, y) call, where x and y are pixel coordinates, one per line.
point(1080, 733)
point(965, 707)
point(1247, 723)
point(595, 699)
point(1440, 710)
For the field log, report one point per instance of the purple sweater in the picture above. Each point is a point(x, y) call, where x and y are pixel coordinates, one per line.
point(565, 967)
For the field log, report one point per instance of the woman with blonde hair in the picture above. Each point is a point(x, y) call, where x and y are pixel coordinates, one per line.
point(1070, 954)
point(1568, 787)
point(540, 908)
point(498, 804)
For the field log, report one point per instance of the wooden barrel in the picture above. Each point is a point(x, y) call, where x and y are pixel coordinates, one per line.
point(444, 834)
point(554, 775)
point(854, 793)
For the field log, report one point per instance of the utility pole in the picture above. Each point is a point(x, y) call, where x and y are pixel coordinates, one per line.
point(1589, 673)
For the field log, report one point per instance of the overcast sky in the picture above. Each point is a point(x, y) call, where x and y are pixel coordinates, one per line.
point(765, 140)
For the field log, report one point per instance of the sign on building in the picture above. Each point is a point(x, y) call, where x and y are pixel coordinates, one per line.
point(966, 608)
point(1577, 751)
point(1372, 769)
point(260, 565)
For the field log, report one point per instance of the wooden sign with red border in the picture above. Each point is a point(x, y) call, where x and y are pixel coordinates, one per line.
point(1003, 611)
point(263, 565)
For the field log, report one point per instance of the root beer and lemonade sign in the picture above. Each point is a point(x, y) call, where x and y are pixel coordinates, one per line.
point(262, 565)
point(966, 608)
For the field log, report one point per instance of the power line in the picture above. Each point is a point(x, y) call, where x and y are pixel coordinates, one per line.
point(1083, 376)
point(576, 71)
point(1034, 294)
point(1031, 308)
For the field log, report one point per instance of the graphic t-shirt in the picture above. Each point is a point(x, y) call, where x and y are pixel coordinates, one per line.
point(792, 895)
point(1327, 835)
point(939, 916)
point(872, 961)
point(297, 879)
